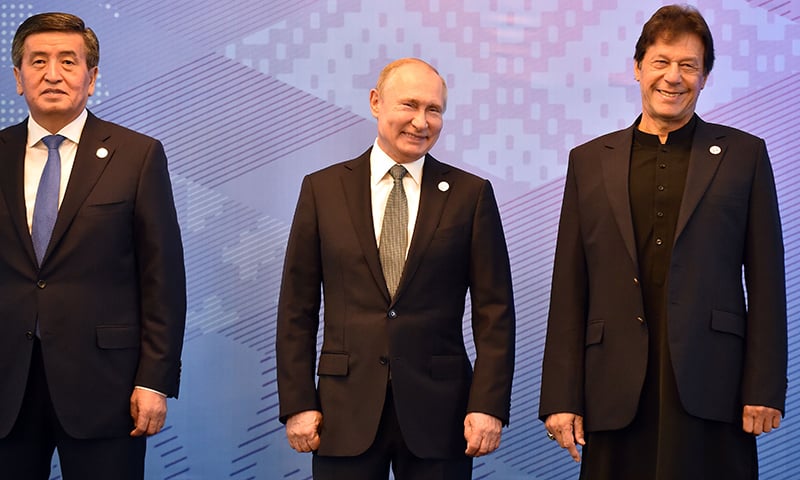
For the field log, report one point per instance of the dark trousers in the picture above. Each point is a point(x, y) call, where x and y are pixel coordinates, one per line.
point(27, 452)
point(390, 449)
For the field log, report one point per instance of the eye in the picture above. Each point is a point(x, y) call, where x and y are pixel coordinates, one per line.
point(660, 63)
point(689, 67)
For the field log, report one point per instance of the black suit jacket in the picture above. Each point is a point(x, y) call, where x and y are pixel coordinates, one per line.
point(458, 245)
point(110, 294)
point(726, 351)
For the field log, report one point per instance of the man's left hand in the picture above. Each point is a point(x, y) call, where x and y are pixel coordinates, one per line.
point(149, 412)
point(482, 433)
point(757, 419)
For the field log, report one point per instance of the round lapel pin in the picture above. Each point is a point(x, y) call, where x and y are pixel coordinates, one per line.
point(102, 152)
point(715, 150)
point(444, 186)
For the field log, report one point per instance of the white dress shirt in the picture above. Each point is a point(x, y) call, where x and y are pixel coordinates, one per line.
point(36, 157)
point(381, 184)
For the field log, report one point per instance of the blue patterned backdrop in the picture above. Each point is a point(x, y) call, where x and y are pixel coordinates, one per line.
point(249, 96)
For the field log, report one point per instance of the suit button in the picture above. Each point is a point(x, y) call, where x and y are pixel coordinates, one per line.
point(640, 319)
point(392, 313)
point(29, 335)
point(636, 281)
point(383, 360)
point(41, 284)
point(659, 242)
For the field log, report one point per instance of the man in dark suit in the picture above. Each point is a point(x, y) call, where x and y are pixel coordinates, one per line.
point(655, 361)
point(395, 383)
point(91, 266)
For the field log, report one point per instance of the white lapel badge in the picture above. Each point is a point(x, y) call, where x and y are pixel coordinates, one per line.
point(102, 152)
point(715, 150)
point(444, 186)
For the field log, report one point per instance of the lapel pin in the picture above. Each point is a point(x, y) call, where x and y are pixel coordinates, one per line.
point(444, 186)
point(102, 152)
point(715, 150)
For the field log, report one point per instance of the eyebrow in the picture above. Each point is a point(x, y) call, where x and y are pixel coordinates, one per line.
point(63, 53)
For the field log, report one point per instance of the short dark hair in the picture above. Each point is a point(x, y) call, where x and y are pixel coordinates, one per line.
point(671, 21)
point(55, 22)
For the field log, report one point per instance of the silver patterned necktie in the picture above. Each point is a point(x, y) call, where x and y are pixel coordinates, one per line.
point(45, 210)
point(394, 232)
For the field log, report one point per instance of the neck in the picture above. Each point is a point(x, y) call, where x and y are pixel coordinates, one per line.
point(53, 124)
point(660, 128)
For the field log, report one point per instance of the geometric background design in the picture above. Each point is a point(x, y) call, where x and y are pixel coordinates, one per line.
point(250, 96)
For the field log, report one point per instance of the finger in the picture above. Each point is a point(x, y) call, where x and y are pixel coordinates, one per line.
point(493, 444)
point(476, 445)
point(758, 425)
point(769, 423)
point(473, 446)
point(747, 423)
point(154, 427)
point(473, 440)
point(573, 452)
point(566, 440)
point(141, 427)
point(776, 421)
point(489, 442)
point(314, 443)
point(579, 433)
point(565, 436)
point(485, 446)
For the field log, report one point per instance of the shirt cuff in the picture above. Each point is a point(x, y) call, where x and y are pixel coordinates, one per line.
point(151, 390)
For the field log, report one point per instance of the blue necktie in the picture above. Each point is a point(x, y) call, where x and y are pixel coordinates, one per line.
point(46, 208)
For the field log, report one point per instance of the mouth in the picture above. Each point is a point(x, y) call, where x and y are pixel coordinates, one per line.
point(53, 91)
point(667, 94)
point(414, 137)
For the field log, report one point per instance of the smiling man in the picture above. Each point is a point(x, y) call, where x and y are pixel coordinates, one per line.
point(655, 361)
point(91, 268)
point(395, 239)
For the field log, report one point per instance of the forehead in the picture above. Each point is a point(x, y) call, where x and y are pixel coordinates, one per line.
point(415, 80)
point(54, 42)
point(682, 44)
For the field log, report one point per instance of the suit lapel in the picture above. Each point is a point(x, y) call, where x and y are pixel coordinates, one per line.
point(12, 183)
point(358, 195)
point(93, 154)
point(708, 149)
point(616, 168)
point(431, 205)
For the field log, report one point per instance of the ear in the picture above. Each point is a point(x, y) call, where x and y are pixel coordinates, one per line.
point(18, 78)
point(703, 82)
point(637, 70)
point(93, 75)
point(374, 102)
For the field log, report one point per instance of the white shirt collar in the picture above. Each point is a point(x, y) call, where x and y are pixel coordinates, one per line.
point(72, 130)
point(380, 163)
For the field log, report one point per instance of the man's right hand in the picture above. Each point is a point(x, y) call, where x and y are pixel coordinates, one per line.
point(568, 430)
point(302, 430)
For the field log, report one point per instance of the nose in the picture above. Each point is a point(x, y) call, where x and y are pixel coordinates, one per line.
point(673, 73)
point(420, 120)
point(52, 73)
